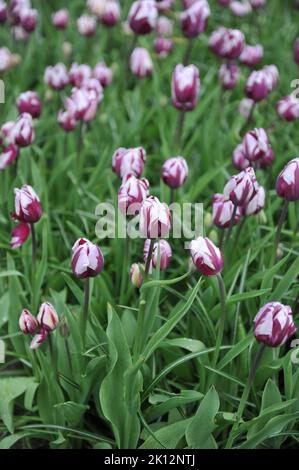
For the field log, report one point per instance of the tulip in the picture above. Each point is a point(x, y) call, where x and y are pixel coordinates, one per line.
point(57, 77)
point(185, 87)
point(132, 191)
point(252, 55)
point(155, 218)
point(175, 172)
point(136, 275)
point(272, 76)
point(164, 5)
point(206, 256)
point(27, 322)
point(128, 161)
point(274, 325)
point(8, 156)
point(257, 203)
point(257, 86)
point(256, 144)
point(3, 12)
point(19, 235)
point(227, 43)
point(86, 25)
point(296, 51)
point(194, 19)
point(47, 317)
point(245, 107)
point(38, 339)
point(66, 120)
point(111, 13)
point(19, 33)
point(79, 73)
point(240, 160)
point(141, 63)
point(7, 132)
point(67, 49)
point(23, 130)
point(240, 8)
point(266, 159)
point(229, 75)
point(161, 250)
point(143, 16)
point(223, 212)
point(7, 59)
point(288, 108)
point(28, 19)
point(287, 184)
point(60, 18)
point(103, 74)
point(163, 46)
point(29, 102)
point(164, 26)
point(241, 188)
point(87, 259)
point(27, 205)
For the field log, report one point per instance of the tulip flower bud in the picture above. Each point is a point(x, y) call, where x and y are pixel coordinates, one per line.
point(288, 108)
point(240, 160)
point(185, 87)
point(241, 188)
point(224, 3)
point(141, 64)
point(164, 26)
point(82, 105)
point(223, 210)
point(132, 191)
point(60, 18)
point(163, 47)
point(8, 156)
point(227, 43)
point(128, 161)
point(7, 132)
point(229, 75)
point(27, 322)
point(206, 256)
point(266, 159)
point(56, 77)
point(287, 183)
point(136, 275)
point(87, 260)
point(194, 19)
point(155, 218)
point(274, 325)
point(38, 339)
point(66, 120)
point(240, 8)
point(28, 19)
point(143, 16)
point(252, 55)
point(256, 144)
point(103, 74)
point(30, 103)
point(23, 130)
point(175, 172)
point(79, 73)
point(27, 205)
point(110, 13)
point(257, 203)
point(257, 86)
point(3, 12)
point(19, 235)
point(208, 221)
point(162, 249)
point(47, 317)
point(86, 25)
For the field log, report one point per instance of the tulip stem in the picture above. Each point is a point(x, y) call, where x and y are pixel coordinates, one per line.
point(85, 309)
point(188, 51)
point(79, 147)
point(279, 229)
point(222, 318)
point(179, 128)
point(139, 330)
point(52, 356)
point(68, 354)
point(231, 224)
point(149, 256)
point(33, 235)
point(249, 118)
point(245, 395)
point(171, 195)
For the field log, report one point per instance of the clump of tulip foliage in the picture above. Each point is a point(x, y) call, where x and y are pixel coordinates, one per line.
point(123, 342)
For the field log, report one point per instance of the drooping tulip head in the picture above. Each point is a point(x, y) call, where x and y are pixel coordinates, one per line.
point(8, 156)
point(87, 260)
point(155, 218)
point(185, 87)
point(206, 257)
point(274, 325)
point(287, 183)
point(175, 172)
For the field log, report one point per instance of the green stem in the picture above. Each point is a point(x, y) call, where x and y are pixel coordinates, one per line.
point(85, 309)
point(33, 235)
point(231, 224)
point(68, 354)
point(279, 229)
point(149, 256)
point(179, 128)
point(172, 195)
point(138, 338)
point(188, 51)
point(245, 395)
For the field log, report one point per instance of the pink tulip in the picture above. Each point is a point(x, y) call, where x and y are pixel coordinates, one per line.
point(155, 218)
point(79, 73)
point(161, 249)
point(223, 210)
point(288, 108)
point(103, 74)
point(8, 156)
point(87, 260)
point(86, 25)
point(29, 102)
point(23, 130)
point(19, 235)
point(136, 275)
point(287, 183)
point(141, 63)
point(185, 87)
point(163, 46)
point(252, 55)
point(143, 16)
point(47, 317)
point(206, 256)
point(28, 323)
point(128, 161)
point(175, 172)
point(274, 325)
point(27, 205)
point(257, 203)
point(60, 18)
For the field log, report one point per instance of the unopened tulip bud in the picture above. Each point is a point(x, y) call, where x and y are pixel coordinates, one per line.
point(287, 183)
point(30, 103)
point(262, 218)
point(279, 252)
point(185, 87)
point(8, 156)
point(246, 107)
point(38, 339)
point(141, 64)
point(86, 25)
point(223, 210)
point(163, 46)
point(206, 256)
point(272, 75)
point(164, 5)
point(257, 203)
point(227, 43)
point(252, 55)
point(132, 191)
point(28, 19)
point(274, 325)
point(256, 144)
point(155, 218)
point(19, 235)
point(66, 120)
point(194, 19)
point(57, 77)
point(87, 259)
point(161, 249)
point(103, 74)
point(28, 323)
point(229, 75)
point(78, 73)
point(240, 8)
point(257, 87)
point(110, 14)
point(47, 317)
point(143, 16)
point(175, 172)
point(60, 18)
point(23, 130)
point(241, 188)
point(240, 160)
point(288, 108)
point(136, 275)
point(27, 205)
point(128, 161)
point(208, 221)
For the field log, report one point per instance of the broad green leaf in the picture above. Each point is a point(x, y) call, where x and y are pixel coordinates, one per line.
point(10, 389)
point(169, 436)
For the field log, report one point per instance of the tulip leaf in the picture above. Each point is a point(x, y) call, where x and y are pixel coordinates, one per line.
point(10, 389)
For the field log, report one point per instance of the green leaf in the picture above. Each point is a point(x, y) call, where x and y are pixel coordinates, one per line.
point(163, 403)
point(286, 281)
point(11, 388)
point(169, 436)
